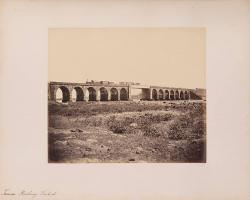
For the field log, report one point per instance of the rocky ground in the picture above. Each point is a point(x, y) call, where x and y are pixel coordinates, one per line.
point(161, 131)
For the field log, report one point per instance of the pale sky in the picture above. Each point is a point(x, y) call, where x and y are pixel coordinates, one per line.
point(172, 57)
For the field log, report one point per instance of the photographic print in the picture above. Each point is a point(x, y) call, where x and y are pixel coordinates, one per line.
point(124, 100)
point(126, 95)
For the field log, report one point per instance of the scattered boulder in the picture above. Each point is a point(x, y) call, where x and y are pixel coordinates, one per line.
point(139, 150)
point(103, 149)
point(134, 125)
point(60, 142)
point(91, 141)
point(77, 130)
point(75, 142)
point(70, 137)
point(88, 149)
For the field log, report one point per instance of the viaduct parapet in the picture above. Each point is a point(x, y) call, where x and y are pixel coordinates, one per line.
point(109, 91)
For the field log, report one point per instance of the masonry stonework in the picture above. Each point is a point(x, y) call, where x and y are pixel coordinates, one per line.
point(109, 91)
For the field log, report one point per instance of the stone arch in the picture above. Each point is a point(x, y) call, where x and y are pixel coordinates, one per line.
point(161, 97)
point(177, 95)
point(79, 95)
point(172, 95)
point(114, 94)
point(154, 94)
point(62, 94)
point(186, 95)
point(166, 94)
point(92, 94)
point(103, 94)
point(181, 95)
point(123, 94)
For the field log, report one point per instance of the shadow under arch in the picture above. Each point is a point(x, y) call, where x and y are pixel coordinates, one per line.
point(181, 95)
point(62, 94)
point(103, 94)
point(186, 95)
point(177, 95)
point(123, 94)
point(172, 95)
point(79, 94)
point(92, 94)
point(161, 94)
point(166, 94)
point(114, 94)
point(154, 94)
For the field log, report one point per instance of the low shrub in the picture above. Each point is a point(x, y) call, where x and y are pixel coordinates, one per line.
point(176, 132)
point(117, 127)
point(199, 129)
point(151, 131)
point(146, 123)
point(190, 125)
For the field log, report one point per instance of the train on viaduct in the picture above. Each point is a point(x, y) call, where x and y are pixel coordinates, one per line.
point(110, 91)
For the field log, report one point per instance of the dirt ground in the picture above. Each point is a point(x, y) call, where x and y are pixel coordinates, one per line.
point(145, 131)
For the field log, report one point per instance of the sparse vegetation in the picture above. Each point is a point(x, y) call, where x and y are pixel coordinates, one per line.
point(127, 132)
point(96, 108)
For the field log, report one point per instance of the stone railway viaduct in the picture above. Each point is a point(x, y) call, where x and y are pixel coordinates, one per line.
point(117, 92)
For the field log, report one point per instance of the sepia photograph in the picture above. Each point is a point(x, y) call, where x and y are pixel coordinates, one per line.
point(124, 95)
point(130, 100)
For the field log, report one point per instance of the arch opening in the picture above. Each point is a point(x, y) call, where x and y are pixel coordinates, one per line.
point(114, 94)
point(186, 95)
point(161, 95)
point(177, 95)
point(62, 94)
point(181, 95)
point(77, 94)
point(172, 95)
point(154, 94)
point(166, 94)
point(92, 94)
point(103, 94)
point(123, 94)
